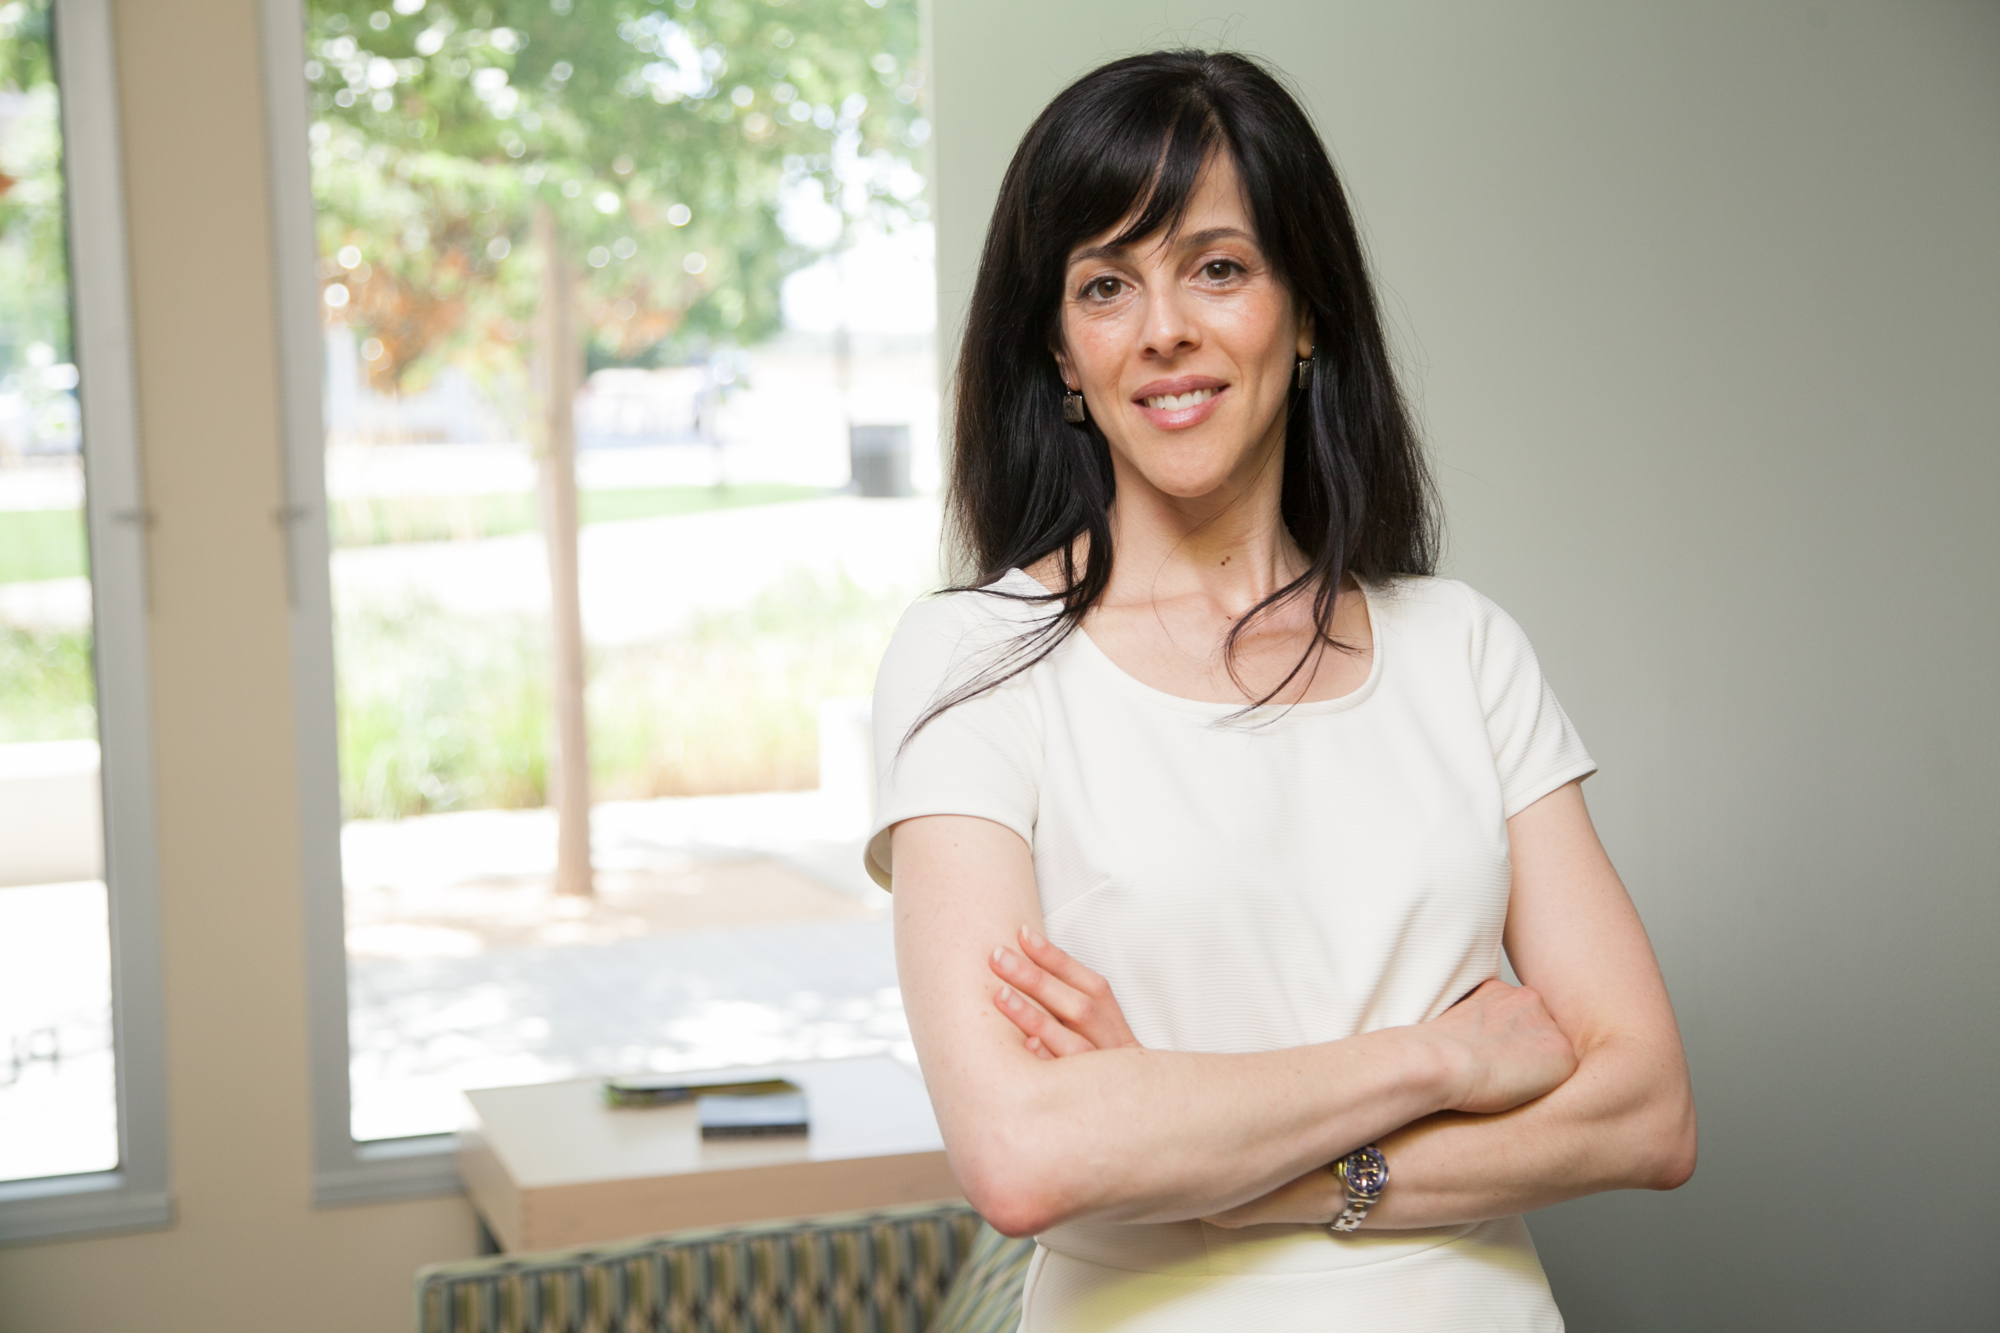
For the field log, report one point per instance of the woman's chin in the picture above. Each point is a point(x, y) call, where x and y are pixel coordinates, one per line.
point(1191, 469)
point(1208, 483)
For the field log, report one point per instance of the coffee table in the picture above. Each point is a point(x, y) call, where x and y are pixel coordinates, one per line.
point(551, 1164)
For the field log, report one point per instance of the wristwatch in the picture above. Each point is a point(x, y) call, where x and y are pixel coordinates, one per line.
point(1365, 1173)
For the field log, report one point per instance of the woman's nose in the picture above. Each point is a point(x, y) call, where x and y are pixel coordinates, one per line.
point(1169, 328)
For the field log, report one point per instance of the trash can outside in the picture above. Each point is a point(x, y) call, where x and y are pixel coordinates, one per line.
point(881, 459)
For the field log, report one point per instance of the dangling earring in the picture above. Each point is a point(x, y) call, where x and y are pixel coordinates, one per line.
point(1073, 411)
point(1303, 371)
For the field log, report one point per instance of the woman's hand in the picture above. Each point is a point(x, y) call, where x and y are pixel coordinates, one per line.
point(1509, 1048)
point(1511, 1052)
point(1073, 1009)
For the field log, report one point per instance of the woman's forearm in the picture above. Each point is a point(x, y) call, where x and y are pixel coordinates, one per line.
point(1124, 1134)
point(1624, 1120)
point(1151, 1136)
point(1172, 1135)
point(1119, 1133)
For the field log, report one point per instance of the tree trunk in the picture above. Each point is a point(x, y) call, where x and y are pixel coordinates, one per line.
point(558, 360)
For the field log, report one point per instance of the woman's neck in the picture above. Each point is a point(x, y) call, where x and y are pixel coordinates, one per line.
point(1229, 548)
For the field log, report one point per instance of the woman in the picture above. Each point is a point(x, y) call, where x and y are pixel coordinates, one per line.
point(1208, 809)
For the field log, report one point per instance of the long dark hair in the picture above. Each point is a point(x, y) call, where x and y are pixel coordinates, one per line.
point(1130, 139)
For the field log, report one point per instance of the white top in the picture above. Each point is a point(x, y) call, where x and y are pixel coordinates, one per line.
point(1299, 875)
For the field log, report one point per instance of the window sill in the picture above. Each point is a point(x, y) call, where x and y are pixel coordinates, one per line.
point(416, 1168)
point(58, 1207)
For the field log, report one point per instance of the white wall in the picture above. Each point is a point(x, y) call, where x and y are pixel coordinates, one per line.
point(1701, 305)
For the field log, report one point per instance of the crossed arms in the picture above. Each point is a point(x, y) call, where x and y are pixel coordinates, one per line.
point(1514, 1099)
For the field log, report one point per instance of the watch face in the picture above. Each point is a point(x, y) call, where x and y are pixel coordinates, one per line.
point(1367, 1171)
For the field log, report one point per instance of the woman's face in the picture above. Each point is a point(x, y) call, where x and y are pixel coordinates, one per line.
point(1184, 346)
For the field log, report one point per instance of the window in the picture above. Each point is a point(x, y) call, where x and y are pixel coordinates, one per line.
point(82, 1132)
point(612, 459)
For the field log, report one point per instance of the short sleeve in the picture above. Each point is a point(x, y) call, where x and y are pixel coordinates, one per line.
point(982, 757)
point(1536, 749)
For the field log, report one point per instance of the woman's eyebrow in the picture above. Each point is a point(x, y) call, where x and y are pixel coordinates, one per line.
point(1193, 240)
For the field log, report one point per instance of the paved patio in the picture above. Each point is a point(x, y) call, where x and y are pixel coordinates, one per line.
point(726, 930)
point(422, 1029)
point(58, 1109)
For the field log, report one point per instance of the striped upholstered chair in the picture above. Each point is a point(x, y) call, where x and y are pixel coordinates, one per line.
point(931, 1268)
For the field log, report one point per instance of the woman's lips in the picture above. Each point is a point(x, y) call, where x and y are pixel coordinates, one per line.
point(1179, 411)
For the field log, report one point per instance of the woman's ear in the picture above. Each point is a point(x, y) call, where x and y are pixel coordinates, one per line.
point(1305, 333)
point(1067, 371)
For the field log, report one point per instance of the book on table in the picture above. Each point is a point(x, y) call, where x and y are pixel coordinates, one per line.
point(726, 1109)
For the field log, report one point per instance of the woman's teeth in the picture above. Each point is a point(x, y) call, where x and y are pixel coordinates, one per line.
point(1174, 402)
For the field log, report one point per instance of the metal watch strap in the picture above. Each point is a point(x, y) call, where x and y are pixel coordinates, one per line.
point(1364, 1173)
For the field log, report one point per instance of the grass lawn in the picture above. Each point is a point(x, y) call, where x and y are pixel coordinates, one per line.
point(42, 544)
point(49, 543)
point(428, 518)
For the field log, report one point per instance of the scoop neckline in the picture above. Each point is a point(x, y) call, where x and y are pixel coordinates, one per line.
point(1354, 698)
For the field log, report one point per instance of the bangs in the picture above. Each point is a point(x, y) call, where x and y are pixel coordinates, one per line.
point(1143, 167)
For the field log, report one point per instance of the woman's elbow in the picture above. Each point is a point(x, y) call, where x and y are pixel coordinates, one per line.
point(1004, 1188)
point(1675, 1166)
point(1014, 1213)
point(1671, 1142)
point(1011, 1204)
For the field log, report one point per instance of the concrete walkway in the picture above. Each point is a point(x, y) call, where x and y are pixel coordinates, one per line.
point(643, 578)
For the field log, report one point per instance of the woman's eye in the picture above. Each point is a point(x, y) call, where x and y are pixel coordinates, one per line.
point(1102, 289)
point(1219, 270)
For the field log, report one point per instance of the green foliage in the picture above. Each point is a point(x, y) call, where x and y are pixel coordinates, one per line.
point(732, 705)
point(47, 692)
point(663, 136)
point(42, 544)
point(34, 291)
point(440, 713)
point(450, 713)
point(24, 45)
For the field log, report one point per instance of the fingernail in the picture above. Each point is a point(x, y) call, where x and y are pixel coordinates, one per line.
point(1010, 999)
point(1032, 937)
point(1004, 994)
point(1005, 958)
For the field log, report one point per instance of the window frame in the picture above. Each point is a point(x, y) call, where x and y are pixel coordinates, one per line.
point(344, 1170)
point(137, 1192)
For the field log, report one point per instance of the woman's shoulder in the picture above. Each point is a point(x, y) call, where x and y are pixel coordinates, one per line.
point(1007, 605)
point(1443, 609)
point(947, 633)
point(1427, 600)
